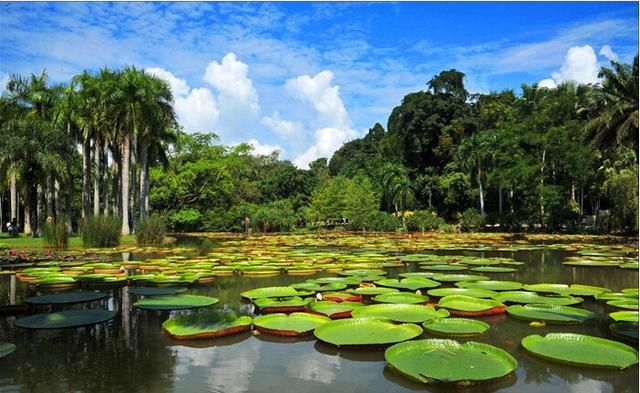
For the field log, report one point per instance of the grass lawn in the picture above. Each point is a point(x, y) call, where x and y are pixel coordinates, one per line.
point(35, 243)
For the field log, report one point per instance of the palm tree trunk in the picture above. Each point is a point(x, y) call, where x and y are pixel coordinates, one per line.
point(86, 175)
point(56, 196)
point(144, 181)
point(40, 207)
point(49, 196)
point(96, 177)
point(105, 178)
point(14, 196)
point(115, 185)
point(124, 171)
point(481, 190)
point(134, 182)
point(27, 209)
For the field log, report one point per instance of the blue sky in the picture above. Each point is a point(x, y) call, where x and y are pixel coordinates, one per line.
point(304, 78)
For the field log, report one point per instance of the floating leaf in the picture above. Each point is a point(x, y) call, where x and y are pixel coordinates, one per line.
point(334, 310)
point(175, 302)
point(66, 298)
point(399, 312)
point(206, 325)
point(411, 283)
point(366, 331)
point(6, 349)
point(549, 313)
point(479, 293)
point(491, 285)
point(65, 319)
point(624, 316)
point(532, 297)
point(274, 292)
point(459, 327)
point(401, 298)
point(296, 324)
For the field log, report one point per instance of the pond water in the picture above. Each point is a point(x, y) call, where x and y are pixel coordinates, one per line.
point(131, 354)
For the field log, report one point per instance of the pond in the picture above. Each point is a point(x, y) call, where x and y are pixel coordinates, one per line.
point(130, 353)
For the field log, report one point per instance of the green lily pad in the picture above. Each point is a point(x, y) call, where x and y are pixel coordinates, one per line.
point(316, 287)
point(400, 312)
point(65, 319)
point(363, 272)
point(469, 304)
point(493, 269)
point(631, 265)
point(174, 302)
point(458, 277)
point(613, 296)
point(366, 331)
point(341, 297)
point(447, 361)
point(66, 298)
point(625, 330)
point(632, 292)
point(334, 310)
point(418, 274)
point(6, 349)
point(274, 292)
point(479, 293)
point(459, 327)
point(296, 324)
point(156, 291)
point(411, 283)
point(288, 304)
point(563, 289)
point(581, 350)
point(491, 285)
point(371, 291)
point(549, 313)
point(624, 316)
point(525, 297)
point(206, 325)
point(447, 268)
point(628, 304)
point(401, 298)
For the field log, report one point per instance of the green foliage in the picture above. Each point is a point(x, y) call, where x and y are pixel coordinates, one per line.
point(277, 216)
point(100, 231)
point(340, 198)
point(186, 220)
point(471, 220)
point(151, 230)
point(376, 221)
point(424, 220)
point(621, 185)
point(55, 234)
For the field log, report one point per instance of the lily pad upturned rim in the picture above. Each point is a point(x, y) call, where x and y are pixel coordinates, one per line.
point(409, 358)
point(549, 313)
point(624, 316)
point(365, 332)
point(201, 326)
point(400, 298)
point(65, 319)
point(175, 302)
point(456, 327)
point(468, 303)
point(274, 292)
point(408, 313)
point(156, 291)
point(333, 310)
point(66, 298)
point(594, 351)
point(472, 292)
point(285, 325)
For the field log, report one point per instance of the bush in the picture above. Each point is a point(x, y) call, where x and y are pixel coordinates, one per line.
point(376, 221)
point(424, 220)
point(150, 230)
point(448, 228)
point(186, 220)
point(277, 216)
point(471, 220)
point(55, 234)
point(100, 231)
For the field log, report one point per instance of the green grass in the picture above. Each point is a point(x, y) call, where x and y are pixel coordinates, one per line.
point(28, 242)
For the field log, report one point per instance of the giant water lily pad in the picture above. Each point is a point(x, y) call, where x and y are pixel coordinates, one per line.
point(628, 304)
point(371, 291)
point(274, 292)
point(334, 310)
point(400, 312)
point(479, 293)
point(563, 289)
point(175, 302)
point(446, 268)
point(448, 361)
point(156, 291)
point(459, 327)
point(452, 277)
point(296, 324)
point(366, 331)
point(6, 349)
point(65, 319)
point(549, 313)
point(625, 330)
point(411, 283)
point(66, 298)
point(493, 269)
point(491, 285)
point(581, 350)
point(317, 287)
point(289, 304)
point(401, 298)
point(624, 316)
point(206, 325)
point(466, 305)
point(525, 297)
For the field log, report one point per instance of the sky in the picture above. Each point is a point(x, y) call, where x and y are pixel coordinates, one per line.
point(304, 78)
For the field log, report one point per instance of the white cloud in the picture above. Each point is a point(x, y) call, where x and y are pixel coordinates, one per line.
point(280, 126)
point(326, 142)
point(230, 79)
point(260, 149)
point(179, 87)
point(4, 78)
point(580, 66)
point(607, 52)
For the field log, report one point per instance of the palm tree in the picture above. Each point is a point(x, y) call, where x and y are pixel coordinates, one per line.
point(397, 187)
point(616, 109)
point(474, 152)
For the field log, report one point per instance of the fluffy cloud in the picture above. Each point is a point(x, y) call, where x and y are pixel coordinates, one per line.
point(260, 149)
point(196, 109)
point(580, 66)
point(230, 78)
point(607, 52)
point(4, 78)
point(280, 126)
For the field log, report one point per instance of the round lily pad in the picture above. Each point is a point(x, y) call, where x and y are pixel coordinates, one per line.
point(284, 305)
point(624, 316)
point(479, 293)
point(470, 306)
point(156, 291)
point(458, 277)
point(274, 292)
point(175, 302)
point(212, 325)
point(399, 312)
point(563, 289)
point(334, 310)
point(625, 330)
point(6, 349)
point(493, 269)
point(341, 297)
point(65, 319)
point(448, 361)
point(366, 331)
point(363, 272)
point(296, 324)
point(411, 283)
point(401, 298)
point(66, 298)
point(525, 297)
point(581, 350)
point(459, 327)
point(549, 313)
point(371, 291)
point(491, 285)
point(447, 268)
point(628, 304)
point(316, 287)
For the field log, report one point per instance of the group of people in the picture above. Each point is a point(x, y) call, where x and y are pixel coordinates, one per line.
point(12, 227)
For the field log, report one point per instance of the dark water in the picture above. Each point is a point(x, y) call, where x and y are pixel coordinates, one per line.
point(131, 354)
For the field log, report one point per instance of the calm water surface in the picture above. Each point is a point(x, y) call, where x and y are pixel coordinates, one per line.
point(131, 354)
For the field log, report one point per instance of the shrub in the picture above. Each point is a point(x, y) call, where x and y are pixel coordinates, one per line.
point(471, 220)
point(448, 228)
point(277, 216)
point(55, 234)
point(186, 220)
point(377, 221)
point(424, 220)
point(150, 230)
point(100, 231)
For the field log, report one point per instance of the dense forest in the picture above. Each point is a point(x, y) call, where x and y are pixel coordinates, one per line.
point(108, 143)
